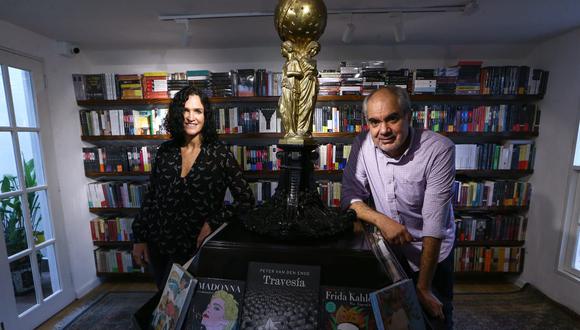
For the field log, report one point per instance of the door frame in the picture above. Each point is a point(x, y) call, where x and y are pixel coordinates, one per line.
point(65, 295)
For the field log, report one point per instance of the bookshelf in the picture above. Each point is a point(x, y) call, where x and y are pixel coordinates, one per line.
point(332, 175)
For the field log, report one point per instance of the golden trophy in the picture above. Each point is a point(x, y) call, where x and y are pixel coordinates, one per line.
point(296, 211)
point(299, 23)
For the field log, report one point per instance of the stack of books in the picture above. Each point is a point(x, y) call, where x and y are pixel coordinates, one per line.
point(373, 73)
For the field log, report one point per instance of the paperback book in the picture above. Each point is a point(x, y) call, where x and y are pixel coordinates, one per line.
point(396, 307)
point(344, 308)
point(216, 304)
point(171, 310)
point(281, 296)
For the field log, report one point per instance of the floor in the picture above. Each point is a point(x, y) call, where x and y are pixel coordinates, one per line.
point(460, 287)
point(105, 287)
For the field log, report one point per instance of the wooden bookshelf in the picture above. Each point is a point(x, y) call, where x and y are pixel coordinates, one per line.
point(321, 98)
point(111, 210)
point(113, 244)
point(126, 276)
point(491, 209)
point(491, 174)
point(494, 174)
point(458, 137)
point(491, 243)
point(335, 175)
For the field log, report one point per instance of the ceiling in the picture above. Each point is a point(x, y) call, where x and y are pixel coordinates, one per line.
point(135, 24)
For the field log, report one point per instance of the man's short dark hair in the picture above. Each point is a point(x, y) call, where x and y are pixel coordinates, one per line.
point(401, 94)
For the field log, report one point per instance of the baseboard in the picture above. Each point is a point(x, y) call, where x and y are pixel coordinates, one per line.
point(87, 287)
point(520, 283)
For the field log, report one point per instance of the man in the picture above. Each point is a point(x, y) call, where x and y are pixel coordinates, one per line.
point(409, 173)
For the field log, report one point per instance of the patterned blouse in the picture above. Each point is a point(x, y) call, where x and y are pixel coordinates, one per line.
point(175, 208)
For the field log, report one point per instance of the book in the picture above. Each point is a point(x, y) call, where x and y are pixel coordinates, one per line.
point(170, 311)
point(281, 296)
point(346, 308)
point(216, 304)
point(396, 307)
point(387, 259)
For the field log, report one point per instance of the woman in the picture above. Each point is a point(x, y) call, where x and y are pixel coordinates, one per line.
point(187, 187)
point(221, 313)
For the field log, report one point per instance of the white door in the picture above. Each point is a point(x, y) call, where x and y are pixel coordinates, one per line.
point(34, 272)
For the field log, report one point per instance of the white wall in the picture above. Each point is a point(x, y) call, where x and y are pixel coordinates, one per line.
point(63, 152)
point(560, 114)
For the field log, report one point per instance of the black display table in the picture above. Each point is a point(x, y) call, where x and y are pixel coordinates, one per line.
point(345, 260)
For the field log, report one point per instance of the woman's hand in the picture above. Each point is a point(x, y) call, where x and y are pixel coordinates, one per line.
point(140, 254)
point(205, 230)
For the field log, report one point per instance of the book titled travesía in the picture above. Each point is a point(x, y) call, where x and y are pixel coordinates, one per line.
point(396, 307)
point(216, 304)
point(345, 308)
point(172, 307)
point(281, 296)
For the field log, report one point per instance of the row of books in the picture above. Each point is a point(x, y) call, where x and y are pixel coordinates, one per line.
point(114, 159)
point(276, 296)
point(486, 228)
point(476, 118)
point(122, 122)
point(488, 259)
point(344, 118)
point(467, 78)
point(513, 155)
point(116, 194)
point(247, 120)
point(114, 261)
point(491, 193)
point(329, 192)
point(160, 84)
point(256, 158)
point(112, 229)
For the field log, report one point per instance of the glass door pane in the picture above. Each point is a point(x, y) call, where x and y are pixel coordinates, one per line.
point(22, 97)
point(3, 105)
point(48, 271)
point(23, 283)
point(13, 225)
point(39, 217)
point(8, 173)
point(31, 159)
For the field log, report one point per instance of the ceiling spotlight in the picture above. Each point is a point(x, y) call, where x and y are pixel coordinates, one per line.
point(187, 35)
point(348, 33)
point(399, 29)
point(470, 8)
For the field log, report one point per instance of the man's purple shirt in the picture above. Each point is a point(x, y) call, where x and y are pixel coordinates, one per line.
point(415, 190)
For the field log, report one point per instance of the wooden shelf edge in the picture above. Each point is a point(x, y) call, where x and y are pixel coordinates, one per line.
point(492, 209)
point(491, 243)
point(112, 243)
point(112, 209)
point(132, 275)
point(320, 98)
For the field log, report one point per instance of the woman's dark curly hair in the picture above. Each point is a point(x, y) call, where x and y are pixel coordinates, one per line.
point(174, 120)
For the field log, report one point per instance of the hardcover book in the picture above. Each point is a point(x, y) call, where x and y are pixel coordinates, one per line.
point(170, 312)
point(345, 308)
point(396, 307)
point(281, 296)
point(216, 304)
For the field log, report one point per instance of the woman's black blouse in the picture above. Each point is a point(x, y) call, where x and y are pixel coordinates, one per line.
point(175, 208)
